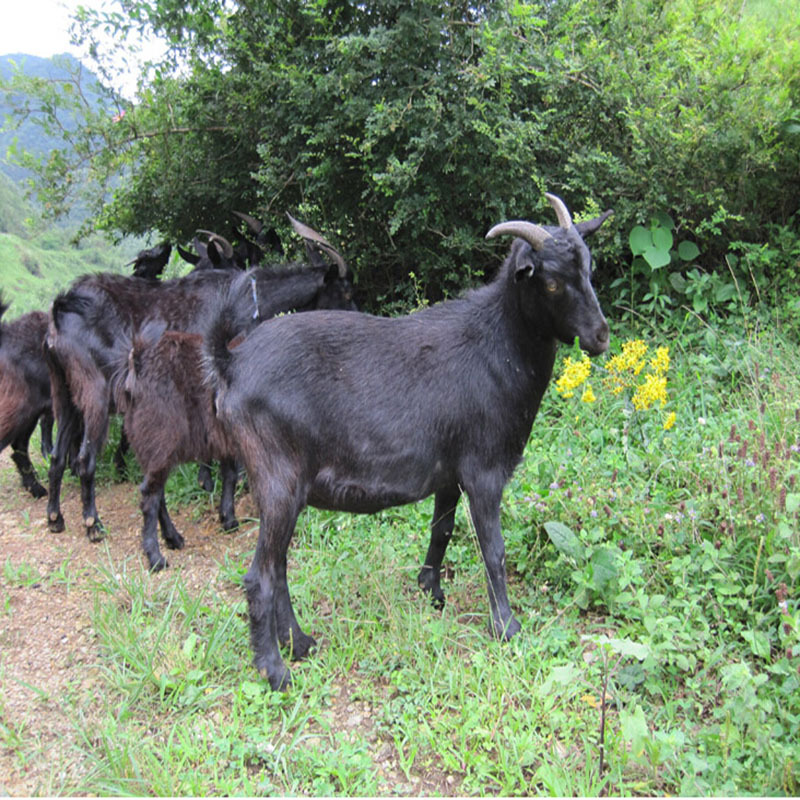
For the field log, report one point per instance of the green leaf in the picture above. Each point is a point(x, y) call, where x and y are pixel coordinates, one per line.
point(633, 726)
point(565, 540)
point(604, 566)
point(656, 258)
point(688, 251)
point(758, 641)
point(678, 282)
point(792, 502)
point(662, 220)
point(640, 239)
point(662, 239)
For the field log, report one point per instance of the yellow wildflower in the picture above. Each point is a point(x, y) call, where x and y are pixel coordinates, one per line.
point(652, 391)
point(669, 421)
point(631, 359)
point(588, 395)
point(659, 363)
point(573, 375)
point(590, 700)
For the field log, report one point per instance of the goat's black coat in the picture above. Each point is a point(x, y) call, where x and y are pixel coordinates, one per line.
point(90, 319)
point(360, 413)
point(24, 392)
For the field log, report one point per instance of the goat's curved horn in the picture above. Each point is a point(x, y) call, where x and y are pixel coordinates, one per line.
point(252, 222)
point(227, 247)
point(534, 235)
point(564, 217)
point(322, 243)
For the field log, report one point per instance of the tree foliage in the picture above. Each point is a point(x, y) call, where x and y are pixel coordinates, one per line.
point(404, 131)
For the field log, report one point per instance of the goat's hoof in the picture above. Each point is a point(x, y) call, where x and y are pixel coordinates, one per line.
point(56, 523)
point(428, 581)
point(37, 490)
point(94, 529)
point(176, 542)
point(158, 563)
point(507, 631)
point(229, 525)
point(279, 683)
point(301, 645)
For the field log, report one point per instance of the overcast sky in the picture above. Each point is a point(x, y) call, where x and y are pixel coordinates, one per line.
point(41, 28)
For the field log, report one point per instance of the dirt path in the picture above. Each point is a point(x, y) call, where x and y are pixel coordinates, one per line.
point(45, 606)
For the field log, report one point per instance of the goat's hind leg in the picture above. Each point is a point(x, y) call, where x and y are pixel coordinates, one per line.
point(444, 514)
point(272, 617)
point(172, 536)
point(152, 491)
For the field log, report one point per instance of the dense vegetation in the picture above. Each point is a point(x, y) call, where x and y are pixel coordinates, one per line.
point(652, 529)
point(408, 130)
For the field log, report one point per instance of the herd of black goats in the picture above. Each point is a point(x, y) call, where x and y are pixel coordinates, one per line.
point(334, 408)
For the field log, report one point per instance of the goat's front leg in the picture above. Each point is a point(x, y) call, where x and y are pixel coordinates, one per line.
point(444, 514)
point(204, 478)
point(21, 458)
point(229, 473)
point(46, 430)
point(485, 511)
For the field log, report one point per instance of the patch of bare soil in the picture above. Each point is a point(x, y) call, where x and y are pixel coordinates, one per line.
point(49, 656)
point(48, 651)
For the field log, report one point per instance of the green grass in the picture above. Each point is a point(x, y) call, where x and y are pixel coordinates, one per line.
point(656, 656)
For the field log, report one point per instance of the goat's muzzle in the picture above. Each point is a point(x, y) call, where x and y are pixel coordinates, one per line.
point(597, 341)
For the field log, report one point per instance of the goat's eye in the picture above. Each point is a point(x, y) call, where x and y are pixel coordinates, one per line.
point(552, 285)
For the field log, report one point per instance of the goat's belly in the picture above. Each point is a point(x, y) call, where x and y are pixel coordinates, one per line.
point(368, 495)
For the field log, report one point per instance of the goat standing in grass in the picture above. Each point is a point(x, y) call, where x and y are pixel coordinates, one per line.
point(169, 420)
point(24, 392)
point(359, 413)
point(98, 312)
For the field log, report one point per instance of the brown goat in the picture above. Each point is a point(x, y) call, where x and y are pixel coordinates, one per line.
point(24, 392)
point(169, 420)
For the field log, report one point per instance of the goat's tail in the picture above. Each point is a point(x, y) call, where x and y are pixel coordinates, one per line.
point(221, 336)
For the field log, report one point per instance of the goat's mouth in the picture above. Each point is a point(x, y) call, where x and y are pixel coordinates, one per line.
point(596, 342)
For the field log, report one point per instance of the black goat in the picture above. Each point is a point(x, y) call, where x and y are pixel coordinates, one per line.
point(150, 263)
point(169, 420)
point(358, 413)
point(24, 392)
point(88, 322)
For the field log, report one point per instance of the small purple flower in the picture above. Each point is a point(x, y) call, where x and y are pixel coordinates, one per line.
point(761, 518)
point(593, 512)
point(554, 485)
point(749, 463)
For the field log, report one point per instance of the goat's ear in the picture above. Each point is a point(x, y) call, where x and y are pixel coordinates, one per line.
point(214, 254)
point(591, 225)
point(524, 268)
point(192, 258)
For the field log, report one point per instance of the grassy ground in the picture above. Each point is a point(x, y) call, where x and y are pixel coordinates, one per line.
point(655, 573)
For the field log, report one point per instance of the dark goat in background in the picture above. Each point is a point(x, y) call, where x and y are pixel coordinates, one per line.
point(169, 420)
point(150, 263)
point(24, 392)
point(90, 319)
point(359, 413)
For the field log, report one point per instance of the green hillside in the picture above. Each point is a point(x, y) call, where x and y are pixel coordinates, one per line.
point(37, 259)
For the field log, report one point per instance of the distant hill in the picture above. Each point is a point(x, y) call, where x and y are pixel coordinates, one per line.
point(37, 258)
point(29, 135)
